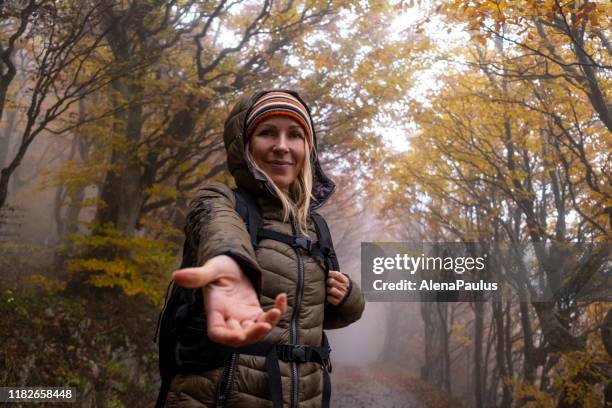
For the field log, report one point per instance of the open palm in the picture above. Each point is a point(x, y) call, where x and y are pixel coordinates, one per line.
point(234, 314)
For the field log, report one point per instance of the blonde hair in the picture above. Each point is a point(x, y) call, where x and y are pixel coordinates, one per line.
point(297, 202)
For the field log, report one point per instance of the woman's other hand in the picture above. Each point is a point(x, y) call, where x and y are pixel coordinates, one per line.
point(233, 312)
point(337, 287)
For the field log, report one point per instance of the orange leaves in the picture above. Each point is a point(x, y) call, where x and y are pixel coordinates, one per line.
point(505, 17)
point(590, 13)
point(478, 10)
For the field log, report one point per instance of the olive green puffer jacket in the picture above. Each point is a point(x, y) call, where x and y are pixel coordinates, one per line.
point(215, 228)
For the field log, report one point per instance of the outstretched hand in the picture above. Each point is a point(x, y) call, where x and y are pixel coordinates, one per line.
point(235, 317)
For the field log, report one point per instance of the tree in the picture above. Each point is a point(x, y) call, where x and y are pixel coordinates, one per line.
point(554, 44)
point(63, 40)
point(485, 168)
point(17, 17)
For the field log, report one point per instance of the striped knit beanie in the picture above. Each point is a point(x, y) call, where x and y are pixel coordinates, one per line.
point(278, 103)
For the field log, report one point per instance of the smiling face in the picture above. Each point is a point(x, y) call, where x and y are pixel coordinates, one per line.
point(278, 147)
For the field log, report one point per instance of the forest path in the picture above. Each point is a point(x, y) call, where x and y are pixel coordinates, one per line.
point(384, 386)
point(358, 387)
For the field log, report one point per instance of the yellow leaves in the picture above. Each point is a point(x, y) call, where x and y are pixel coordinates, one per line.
point(513, 18)
point(50, 285)
point(532, 394)
point(112, 268)
point(477, 10)
point(474, 25)
point(597, 311)
point(479, 38)
point(455, 5)
point(462, 148)
point(494, 6)
point(162, 191)
point(74, 175)
point(574, 374)
point(138, 265)
point(595, 15)
point(459, 333)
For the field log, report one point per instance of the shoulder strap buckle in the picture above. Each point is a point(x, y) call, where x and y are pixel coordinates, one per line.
point(303, 243)
point(301, 353)
point(294, 352)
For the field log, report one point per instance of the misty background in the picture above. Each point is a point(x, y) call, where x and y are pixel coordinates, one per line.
point(482, 122)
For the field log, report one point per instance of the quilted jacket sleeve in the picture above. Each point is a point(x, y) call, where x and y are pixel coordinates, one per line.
point(348, 311)
point(214, 228)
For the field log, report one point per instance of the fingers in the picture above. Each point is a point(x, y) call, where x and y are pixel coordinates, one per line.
point(194, 277)
point(256, 331)
point(234, 324)
point(338, 280)
point(246, 323)
point(337, 287)
point(274, 315)
point(281, 303)
point(333, 300)
point(333, 283)
point(214, 269)
point(339, 276)
point(235, 333)
point(219, 330)
point(335, 292)
point(232, 333)
point(227, 336)
point(267, 320)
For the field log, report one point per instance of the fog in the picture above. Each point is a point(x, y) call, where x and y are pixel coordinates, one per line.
point(33, 193)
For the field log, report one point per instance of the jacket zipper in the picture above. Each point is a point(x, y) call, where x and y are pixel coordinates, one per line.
point(294, 319)
point(225, 383)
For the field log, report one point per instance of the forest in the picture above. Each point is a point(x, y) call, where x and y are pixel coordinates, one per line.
point(482, 122)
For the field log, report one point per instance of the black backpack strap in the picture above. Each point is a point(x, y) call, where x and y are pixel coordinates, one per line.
point(247, 207)
point(289, 352)
point(325, 243)
point(327, 369)
point(188, 256)
point(167, 365)
point(294, 241)
point(187, 261)
point(327, 249)
point(298, 353)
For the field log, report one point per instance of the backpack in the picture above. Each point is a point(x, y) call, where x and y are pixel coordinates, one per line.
point(183, 345)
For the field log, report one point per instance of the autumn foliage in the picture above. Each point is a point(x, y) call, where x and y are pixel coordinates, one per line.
point(111, 114)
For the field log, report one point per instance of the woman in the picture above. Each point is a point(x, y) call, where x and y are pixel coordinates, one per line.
point(276, 293)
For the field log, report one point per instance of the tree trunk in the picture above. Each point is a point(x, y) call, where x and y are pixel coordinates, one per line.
point(122, 193)
point(606, 338)
point(478, 340)
point(500, 352)
point(528, 348)
point(5, 140)
point(596, 93)
point(436, 369)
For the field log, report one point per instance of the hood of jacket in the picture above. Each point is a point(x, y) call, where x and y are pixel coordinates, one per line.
point(242, 170)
